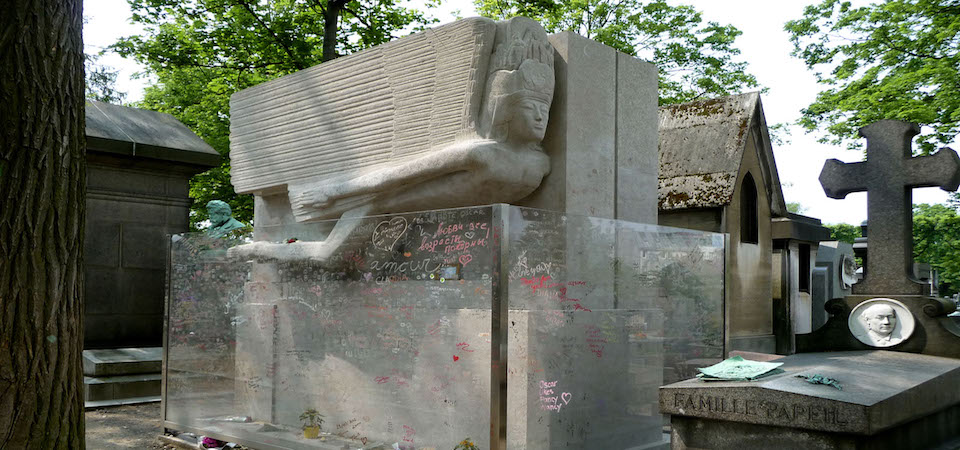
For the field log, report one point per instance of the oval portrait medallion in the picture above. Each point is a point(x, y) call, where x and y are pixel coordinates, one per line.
point(881, 322)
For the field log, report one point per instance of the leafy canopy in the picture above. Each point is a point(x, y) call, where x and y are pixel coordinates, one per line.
point(936, 240)
point(202, 51)
point(843, 232)
point(101, 81)
point(695, 59)
point(895, 59)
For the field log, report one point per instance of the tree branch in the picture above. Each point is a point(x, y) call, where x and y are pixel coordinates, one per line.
point(286, 48)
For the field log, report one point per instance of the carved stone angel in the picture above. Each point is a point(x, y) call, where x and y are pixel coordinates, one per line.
point(503, 162)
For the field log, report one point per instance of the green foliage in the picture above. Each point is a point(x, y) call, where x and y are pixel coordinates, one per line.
point(101, 81)
point(843, 232)
point(895, 59)
point(695, 59)
point(202, 51)
point(936, 240)
point(795, 207)
point(312, 418)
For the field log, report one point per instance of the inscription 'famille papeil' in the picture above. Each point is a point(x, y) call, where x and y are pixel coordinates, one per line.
point(764, 409)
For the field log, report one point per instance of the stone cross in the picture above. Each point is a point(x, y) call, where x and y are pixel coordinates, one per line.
point(888, 175)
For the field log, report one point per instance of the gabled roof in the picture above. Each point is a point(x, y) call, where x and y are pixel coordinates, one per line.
point(701, 150)
point(149, 134)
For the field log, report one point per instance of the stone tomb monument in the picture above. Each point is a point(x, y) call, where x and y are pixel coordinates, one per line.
point(873, 398)
point(887, 175)
point(455, 116)
point(468, 113)
point(889, 400)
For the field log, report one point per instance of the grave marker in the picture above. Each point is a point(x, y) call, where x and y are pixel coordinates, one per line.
point(888, 175)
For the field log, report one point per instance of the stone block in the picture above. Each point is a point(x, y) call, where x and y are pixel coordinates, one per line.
point(761, 344)
point(885, 397)
point(100, 330)
point(102, 290)
point(142, 291)
point(144, 247)
point(141, 329)
point(376, 107)
point(602, 136)
point(101, 246)
point(122, 361)
point(637, 140)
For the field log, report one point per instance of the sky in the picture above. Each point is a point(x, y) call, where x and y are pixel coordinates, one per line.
point(764, 46)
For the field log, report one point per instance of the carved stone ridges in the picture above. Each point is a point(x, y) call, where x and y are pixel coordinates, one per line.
point(363, 111)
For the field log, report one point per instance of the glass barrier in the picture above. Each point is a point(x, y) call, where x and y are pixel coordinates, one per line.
point(427, 329)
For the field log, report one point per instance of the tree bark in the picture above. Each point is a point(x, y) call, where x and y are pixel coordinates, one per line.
point(331, 18)
point(42, 190)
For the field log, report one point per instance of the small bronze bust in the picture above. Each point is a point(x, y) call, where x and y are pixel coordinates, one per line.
point(222, 222)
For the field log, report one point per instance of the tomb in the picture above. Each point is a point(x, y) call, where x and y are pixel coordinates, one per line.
point(889, 400)
point(718, 174)
point(512, 326)
point(796, 248)
point(515, 327)
point(139, 165)
point(881, 373)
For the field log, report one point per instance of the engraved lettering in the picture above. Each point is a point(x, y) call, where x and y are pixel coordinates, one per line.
point(813, 414)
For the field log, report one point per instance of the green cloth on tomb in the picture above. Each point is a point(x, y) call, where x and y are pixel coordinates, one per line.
point(820, 379)
point(739, 369)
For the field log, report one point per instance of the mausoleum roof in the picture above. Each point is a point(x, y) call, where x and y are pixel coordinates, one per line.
point(701, 150)
point(149, 134)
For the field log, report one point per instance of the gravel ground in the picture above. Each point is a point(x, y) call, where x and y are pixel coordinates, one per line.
point(122, 427)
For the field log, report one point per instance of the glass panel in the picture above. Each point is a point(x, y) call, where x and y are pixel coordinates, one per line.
point(389, 338)
point(602, 313)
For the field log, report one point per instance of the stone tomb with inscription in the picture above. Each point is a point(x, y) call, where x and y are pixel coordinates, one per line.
point(490, 323)
point(889, 400)
point(888, 346)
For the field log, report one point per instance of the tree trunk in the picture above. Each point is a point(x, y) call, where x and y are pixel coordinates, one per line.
point(42, 189)
point(331, 18)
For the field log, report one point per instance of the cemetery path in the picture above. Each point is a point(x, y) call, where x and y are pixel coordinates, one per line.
point(123, 427)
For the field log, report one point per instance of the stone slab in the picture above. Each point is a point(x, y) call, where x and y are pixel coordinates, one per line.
point(881, 390)
point(932, 432)
point(121, 387)
point(122, 361)
point(138, 132)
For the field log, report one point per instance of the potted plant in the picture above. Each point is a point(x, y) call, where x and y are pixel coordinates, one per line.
point(466, 444)
point(311, 423)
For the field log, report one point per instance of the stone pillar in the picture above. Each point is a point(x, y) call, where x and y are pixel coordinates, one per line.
point(602, 134)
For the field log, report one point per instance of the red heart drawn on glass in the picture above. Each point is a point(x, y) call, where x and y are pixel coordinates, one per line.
point(464, 259)
point(456, 358)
